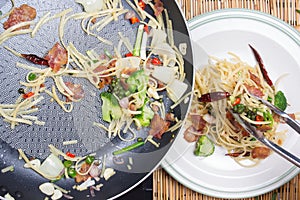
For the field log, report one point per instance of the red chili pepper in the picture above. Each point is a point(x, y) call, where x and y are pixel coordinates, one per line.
point(142, 4)
point(156, 61)
point(134, 20)
point(35, 59)
point(71, 155)
point(213, 96)
point(27, 95)
point(146, 29)
point(259, 118)
point(128, 54)
point(261, 66)
point(237, 101)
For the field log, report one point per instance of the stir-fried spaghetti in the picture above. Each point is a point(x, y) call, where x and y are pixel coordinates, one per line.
point(209, 114)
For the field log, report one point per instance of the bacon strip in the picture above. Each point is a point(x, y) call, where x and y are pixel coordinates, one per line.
point(57, 57)
point(158, 126)
point(22, 14)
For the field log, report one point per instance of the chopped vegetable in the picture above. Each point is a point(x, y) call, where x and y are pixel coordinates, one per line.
point(47, 188)
point(164, 74)
point(137, 81)
point(89, 159)
point(268, 117)
point(110, 107)
point(56, 195)
point(129, 148)
point(109, 172)
point(204, 146)
point(72, 172)
point(134, 20)
point(91, 5)
point(239, 108)
point(280, 100)
point(71, 155)
point(52, 166)
point(28, 95)
point(176, 90)
point(68, 163)
point(8, 169)
point(138, 41)
point(31, 76)
point(146, 115)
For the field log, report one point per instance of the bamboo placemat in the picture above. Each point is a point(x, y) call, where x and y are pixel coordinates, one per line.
point(164, 186)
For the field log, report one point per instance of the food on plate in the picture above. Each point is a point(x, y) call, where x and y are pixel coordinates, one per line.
point(230, 84)
point(132, 84)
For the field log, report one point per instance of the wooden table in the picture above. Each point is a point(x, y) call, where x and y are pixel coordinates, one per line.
point(164, 186)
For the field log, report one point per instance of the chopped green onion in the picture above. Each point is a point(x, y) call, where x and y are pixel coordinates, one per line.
point(268, 117)
point(129, 148)
point(89, 159)
point(68, 163)
point(239, 108)
point(31, 76)
point(107, 54)
point(138, 42)
point(72, 172)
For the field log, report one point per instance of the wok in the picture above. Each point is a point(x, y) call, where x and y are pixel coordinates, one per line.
point(34, 140)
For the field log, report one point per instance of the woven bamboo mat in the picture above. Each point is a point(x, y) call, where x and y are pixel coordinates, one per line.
point(164, 186)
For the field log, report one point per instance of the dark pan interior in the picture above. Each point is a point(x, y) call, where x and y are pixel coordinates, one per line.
point(34, 140)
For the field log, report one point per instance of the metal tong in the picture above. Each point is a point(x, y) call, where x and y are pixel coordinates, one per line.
point(260, 136)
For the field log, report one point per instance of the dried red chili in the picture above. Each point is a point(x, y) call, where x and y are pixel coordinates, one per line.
point(261, 66)
point(35, 59)
point(213, 96)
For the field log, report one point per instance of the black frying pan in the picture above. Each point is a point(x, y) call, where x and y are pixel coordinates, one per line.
point(34, 140)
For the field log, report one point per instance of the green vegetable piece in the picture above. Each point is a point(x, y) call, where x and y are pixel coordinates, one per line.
point(268, 117)
point(137, 81)
point(31, 76)
point(72, 172)
point(108, 54)
point(110, 107)
point(146, 116)
point(129, 148)
point(239, 108)
point(204, 147)
point(68, 163)
point(280, 101)
point(138, 42)
point(89, 159)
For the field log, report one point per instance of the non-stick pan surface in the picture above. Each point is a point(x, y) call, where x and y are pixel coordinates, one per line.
point(34, 140)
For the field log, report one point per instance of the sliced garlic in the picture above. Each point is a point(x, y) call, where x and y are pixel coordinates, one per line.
point(47, 188)
point(109, 172)
point(56, 195)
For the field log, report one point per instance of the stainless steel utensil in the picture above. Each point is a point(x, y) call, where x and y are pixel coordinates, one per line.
point(260, 136)
point(290, 121)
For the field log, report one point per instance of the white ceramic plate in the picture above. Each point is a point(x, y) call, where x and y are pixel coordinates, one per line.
point(217, 33)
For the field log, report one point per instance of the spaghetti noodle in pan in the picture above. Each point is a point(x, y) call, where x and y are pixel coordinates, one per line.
point(102, 80)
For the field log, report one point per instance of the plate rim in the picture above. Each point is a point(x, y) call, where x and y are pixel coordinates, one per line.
point(270, 20)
